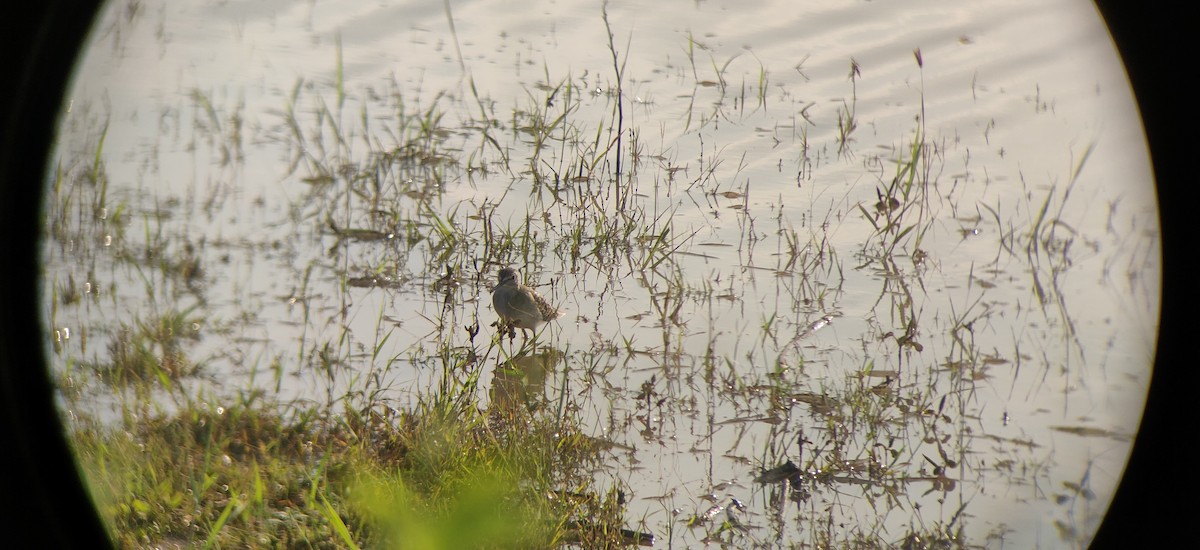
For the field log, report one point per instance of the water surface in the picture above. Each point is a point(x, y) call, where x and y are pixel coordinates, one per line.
point(1008, 334)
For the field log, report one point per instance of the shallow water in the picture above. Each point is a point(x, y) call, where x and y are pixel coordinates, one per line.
point(1033, 352)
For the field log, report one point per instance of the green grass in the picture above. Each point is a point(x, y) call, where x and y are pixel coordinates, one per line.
point(444, 474)
point(443, 461)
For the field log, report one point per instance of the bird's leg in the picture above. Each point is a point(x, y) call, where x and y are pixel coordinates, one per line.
point(505, 328)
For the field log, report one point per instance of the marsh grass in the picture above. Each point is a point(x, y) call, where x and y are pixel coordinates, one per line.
point(847, 123)
point(258, 473)
point(450, 470)
point(351, 469)
point(424, 424)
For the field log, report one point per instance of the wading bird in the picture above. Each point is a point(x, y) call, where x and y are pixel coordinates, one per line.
point(519, 306)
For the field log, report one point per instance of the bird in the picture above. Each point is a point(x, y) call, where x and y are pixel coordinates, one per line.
point(520, 306)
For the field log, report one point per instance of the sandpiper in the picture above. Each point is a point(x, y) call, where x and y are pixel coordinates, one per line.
point(518, 305)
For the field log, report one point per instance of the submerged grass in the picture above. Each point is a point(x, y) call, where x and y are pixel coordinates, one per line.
point(442, 460)
point(353, 470)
